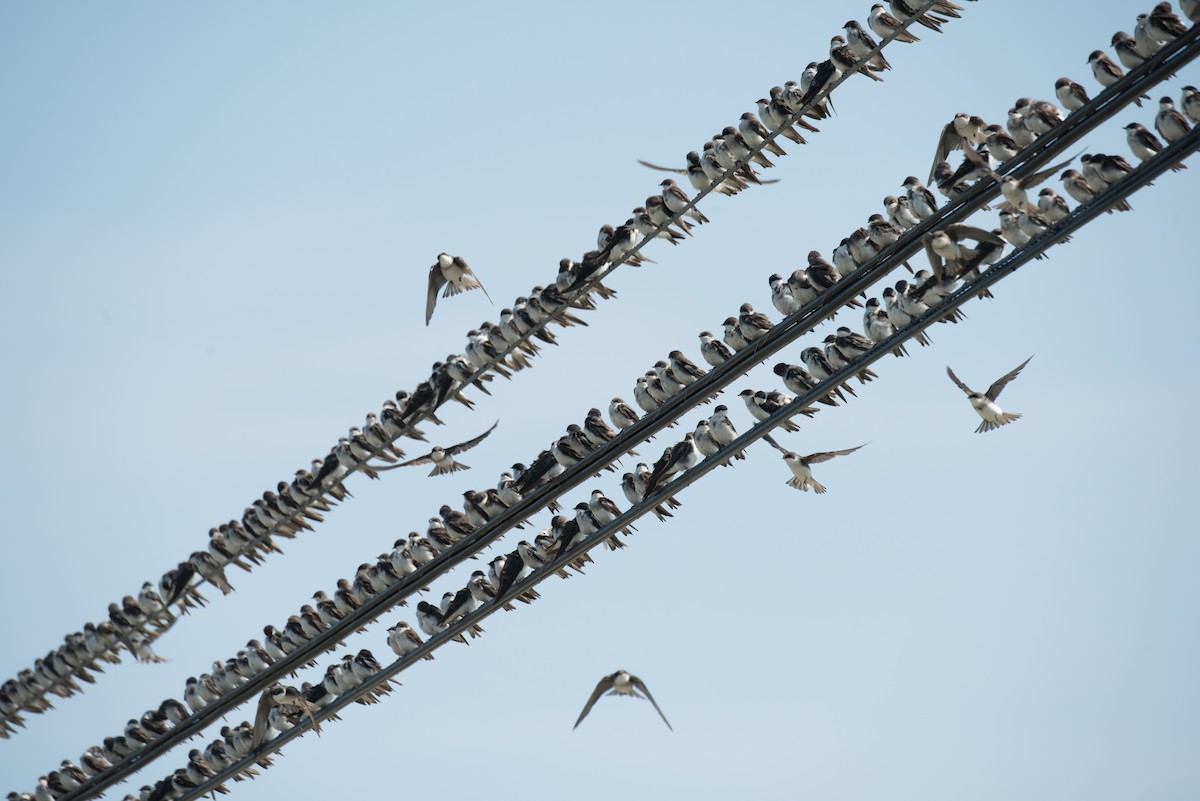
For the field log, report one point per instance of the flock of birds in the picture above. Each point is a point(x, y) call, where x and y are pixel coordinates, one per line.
point(501, 348)
point(137, 620)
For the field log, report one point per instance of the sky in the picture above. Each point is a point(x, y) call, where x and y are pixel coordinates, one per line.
point(216, 224)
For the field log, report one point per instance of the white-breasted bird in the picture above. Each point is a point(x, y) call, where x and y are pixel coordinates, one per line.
point(984, 403)
point(442, 459)
point(802, 477)
point(452, 273)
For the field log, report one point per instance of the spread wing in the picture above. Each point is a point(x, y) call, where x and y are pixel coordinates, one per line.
point(825, 456)
point(961, 231)
point(265, 702)
point(426, 459)
point(979, 160)
point(954, 378)
point(604, 686)
point(641, 685)
point(1033, 180)
point(777, 446)
point(436, 282)
point(998, 386)
point(471, 443)
point(935, 261)
point(467, 270)
point(947, 142)
point(664, 169)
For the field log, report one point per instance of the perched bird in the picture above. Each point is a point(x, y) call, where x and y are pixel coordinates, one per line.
point(1072, 96)
point(620, 683)
point(1190, 103)
point(1107, 72)
point(1169, 122)
point(454, 274)
point(802, 477)
point(442, 459)
point(984, 403)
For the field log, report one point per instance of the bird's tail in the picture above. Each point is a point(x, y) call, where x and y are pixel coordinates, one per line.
point(454, 467)
point(817, 486)
point(466, 284)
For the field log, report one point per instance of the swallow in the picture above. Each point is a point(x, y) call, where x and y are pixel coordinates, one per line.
point(757, 135)
point(1163, 25)
point(1127, 50)
point(1170, 123)
point(886, 25)
point(1079, 188)
point(452, 273)
point(900, 212)
point(820, 368)
point(862, 44)
point(620, 683)
point(1146, 145)
point(1190, 9)
point(281, 696)
point(761, 406)
point(1052, 206)
point(1145, 43)
point(442, 459)
point(1189, 101)
point(679, 458)
point(905, 11)
point(844, 60)
point(801, 466)
point(964, 132)
point(800, 381)
point(1107, 72)
point(920, 199)
point(984, 403)
point(1071, 95)
point(752, 324)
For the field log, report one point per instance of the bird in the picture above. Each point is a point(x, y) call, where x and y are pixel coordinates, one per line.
point(279, 695)
point(802, 477)
point(442, 459)
point(984, 403)
point(1169, 122)
point(454, 274)
point(620, 683)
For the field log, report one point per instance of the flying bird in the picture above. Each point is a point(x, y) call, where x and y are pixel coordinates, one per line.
point(279, 695)
point(620, 683)
point(442, 459)
point(454, 274)
point(802, 477)
point(985, 402)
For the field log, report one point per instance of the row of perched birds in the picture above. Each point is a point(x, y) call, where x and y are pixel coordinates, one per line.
point(294, 505)
point(728, 158)
point(841, 349)
point(748, 326)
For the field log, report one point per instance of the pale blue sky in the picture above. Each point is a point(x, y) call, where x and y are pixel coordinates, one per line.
point(215, 224)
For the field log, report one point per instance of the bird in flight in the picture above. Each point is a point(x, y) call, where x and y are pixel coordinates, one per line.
point(453, 273)
point(802, 477)
point(620, 683)
point(985, 402)
point(442, 459)
point(288, 698)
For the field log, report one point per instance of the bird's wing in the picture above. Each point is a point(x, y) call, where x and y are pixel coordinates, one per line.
point(664, 169)
point(948, 141)
point(471, 443)
point(961, 231)
point(777, 446)
point(1033, 180)
point(471, 273)
point(426, 459)
point(436, 282)
point(641, 685)
point(825, 456)
point(998, 386)
point(935, 261)
point(265, 702)
point(604, 686)
point(954, 378)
